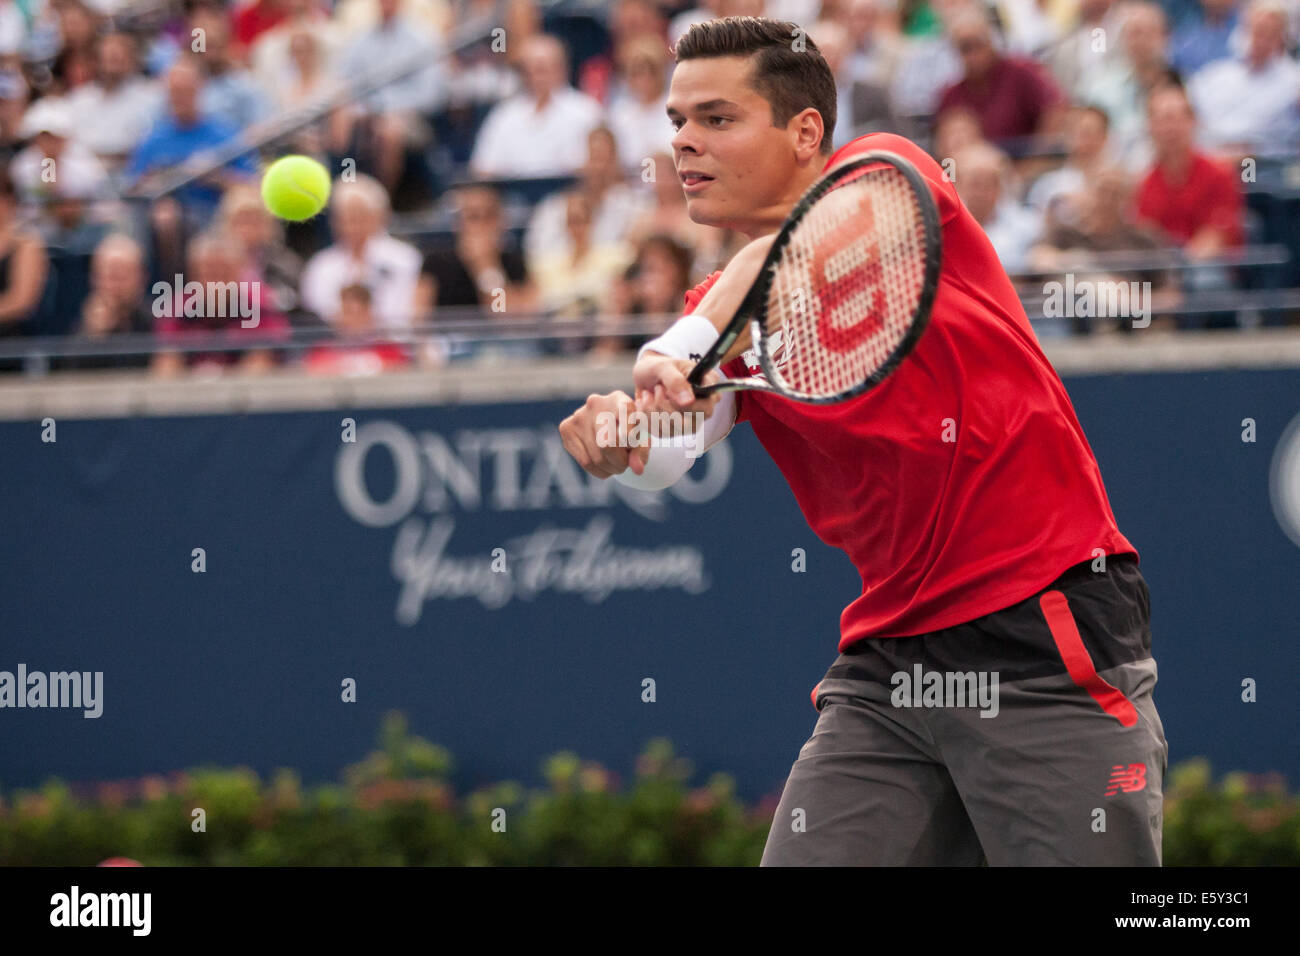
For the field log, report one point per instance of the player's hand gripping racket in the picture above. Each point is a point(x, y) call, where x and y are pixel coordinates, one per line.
point(846, 289)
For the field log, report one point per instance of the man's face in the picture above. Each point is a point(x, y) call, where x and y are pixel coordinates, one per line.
point(480, 210)
point(980, 188)
point(354, 220)
point(1267, 30)
point(114, 59)
point(183, 93)
point(543, 69)
point(117, 276)
point(732, 162)
point(975, 47)
point(1145, 38)
point(1170, 122)
point(1085, 134)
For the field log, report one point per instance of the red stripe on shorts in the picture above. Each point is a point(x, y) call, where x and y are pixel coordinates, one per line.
point(1078, 662)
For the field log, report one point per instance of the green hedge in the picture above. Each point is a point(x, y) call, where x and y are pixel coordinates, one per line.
point(397, 808)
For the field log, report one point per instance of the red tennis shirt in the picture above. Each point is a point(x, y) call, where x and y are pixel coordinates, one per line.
point(963, 483)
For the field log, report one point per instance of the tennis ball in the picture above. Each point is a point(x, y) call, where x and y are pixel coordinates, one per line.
point(295, 187)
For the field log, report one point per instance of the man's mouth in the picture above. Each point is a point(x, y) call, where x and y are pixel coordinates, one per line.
point(693, 181)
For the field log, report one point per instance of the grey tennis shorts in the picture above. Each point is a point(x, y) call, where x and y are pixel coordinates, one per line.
point(1027, 737)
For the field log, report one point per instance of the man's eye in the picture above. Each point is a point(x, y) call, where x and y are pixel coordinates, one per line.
point(717, 119)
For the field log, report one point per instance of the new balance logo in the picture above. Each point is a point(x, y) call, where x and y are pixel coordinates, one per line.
point(696, 356)
point(1128, 779)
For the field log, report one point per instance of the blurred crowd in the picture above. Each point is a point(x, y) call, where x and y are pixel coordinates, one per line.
point(530, 173)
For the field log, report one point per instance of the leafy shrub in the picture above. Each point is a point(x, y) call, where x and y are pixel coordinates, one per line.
point(397, 808)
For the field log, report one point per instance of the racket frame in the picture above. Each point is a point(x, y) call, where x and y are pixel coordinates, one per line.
point(753, 309)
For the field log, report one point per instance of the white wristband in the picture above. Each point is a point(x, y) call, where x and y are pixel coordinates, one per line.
point(687, 338)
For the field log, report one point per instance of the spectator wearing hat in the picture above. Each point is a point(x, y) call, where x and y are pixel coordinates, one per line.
point(55, 165)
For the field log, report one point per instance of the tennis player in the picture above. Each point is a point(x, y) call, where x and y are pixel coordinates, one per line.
point(992, 696)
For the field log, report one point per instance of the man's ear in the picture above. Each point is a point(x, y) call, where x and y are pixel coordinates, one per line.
point(808, 130)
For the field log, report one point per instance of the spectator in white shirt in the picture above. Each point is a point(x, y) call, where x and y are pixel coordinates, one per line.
point(1249, 103)
point(1089, 47)
point(13, 28)
point(1122, 86)
point(364, 254)
point(639, 119)
point(1085, 152)
point(55, 165)
point(542, 131)
point(112, 114)
point(983, 174)
point(272, 52)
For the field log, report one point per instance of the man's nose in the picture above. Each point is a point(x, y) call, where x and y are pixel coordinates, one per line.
point(684, 141)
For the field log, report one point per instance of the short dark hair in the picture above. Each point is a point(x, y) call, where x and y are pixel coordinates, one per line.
point(788, 69)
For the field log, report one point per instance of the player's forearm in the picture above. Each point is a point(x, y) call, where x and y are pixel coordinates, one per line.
point(723, 300)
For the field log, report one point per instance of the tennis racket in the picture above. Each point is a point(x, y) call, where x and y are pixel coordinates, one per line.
point(845, 291)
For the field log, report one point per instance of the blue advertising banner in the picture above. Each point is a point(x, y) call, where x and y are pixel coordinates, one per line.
point(226, 576)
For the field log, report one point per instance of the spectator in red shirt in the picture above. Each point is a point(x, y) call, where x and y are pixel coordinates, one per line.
point(1194, 200)
point(1011, 97)
point(355, 320)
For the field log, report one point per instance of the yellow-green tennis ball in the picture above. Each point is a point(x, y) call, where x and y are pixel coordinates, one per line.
point(295, 187)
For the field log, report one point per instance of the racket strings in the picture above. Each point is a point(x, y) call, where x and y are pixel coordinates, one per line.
point(847, 284)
